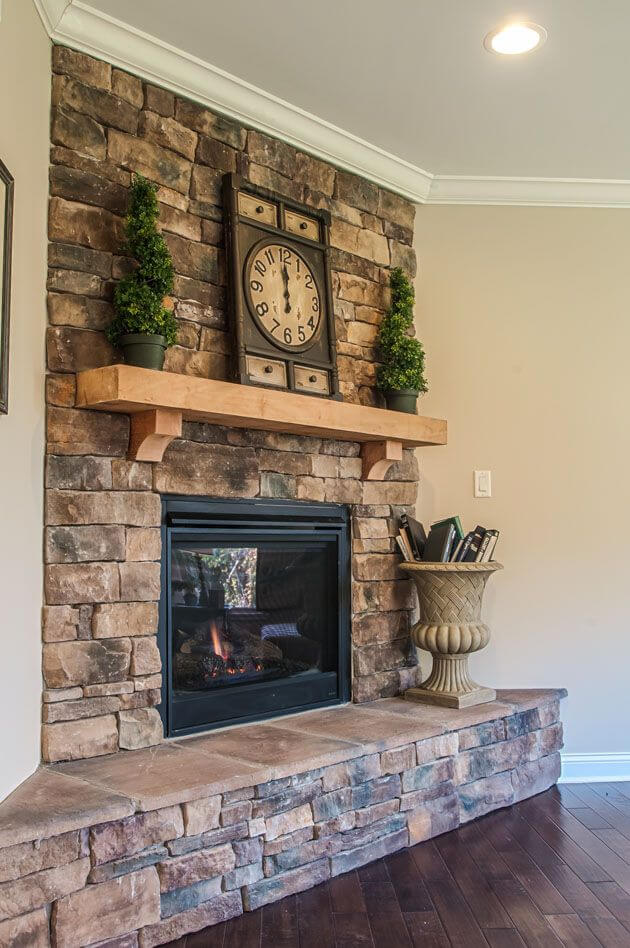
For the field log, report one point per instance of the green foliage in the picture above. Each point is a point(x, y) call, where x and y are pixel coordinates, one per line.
point(139, 297)
point(402, 355)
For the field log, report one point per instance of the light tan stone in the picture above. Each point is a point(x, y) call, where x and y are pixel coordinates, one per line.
point(145, 656)
point(73, 740)
point(143, 544)
point(124, 838)
point(156, 163)
point(83, 663)
point(81, 582)
point(59, 623)
point(28, 930)
point(288, 822)
point(78, 709)
point(133, 508)
point(139, 582)
point(52, 695)
point(119, 620)
point(108, 909)
point(26, 858)
point(141, 727)
point(201, 815)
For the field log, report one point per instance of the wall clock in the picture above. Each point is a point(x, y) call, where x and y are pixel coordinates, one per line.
point(280, 297)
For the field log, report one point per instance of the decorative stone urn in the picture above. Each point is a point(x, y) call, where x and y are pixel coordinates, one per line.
point(450, 627)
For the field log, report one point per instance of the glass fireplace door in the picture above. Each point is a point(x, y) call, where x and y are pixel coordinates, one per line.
point(253, 623)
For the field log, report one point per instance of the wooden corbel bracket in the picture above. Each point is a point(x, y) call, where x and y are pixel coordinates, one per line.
point(378, 457)
point(152, 431)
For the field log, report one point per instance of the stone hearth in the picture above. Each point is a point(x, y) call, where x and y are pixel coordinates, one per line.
point(159, 842)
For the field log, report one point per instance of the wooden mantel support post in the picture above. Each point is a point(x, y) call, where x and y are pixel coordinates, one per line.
point(152, 431)
point(378, 457)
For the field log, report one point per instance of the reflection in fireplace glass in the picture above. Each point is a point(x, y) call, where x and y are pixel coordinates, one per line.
point(248, 613)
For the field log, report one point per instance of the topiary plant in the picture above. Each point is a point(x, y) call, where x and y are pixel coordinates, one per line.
point(402, 355)
point(139, 296)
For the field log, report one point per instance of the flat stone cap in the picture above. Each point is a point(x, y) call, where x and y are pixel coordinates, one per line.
point(64, 797)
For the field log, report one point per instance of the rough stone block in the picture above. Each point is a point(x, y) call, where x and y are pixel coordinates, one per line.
point(127, 87)
point(158, 164)
point(139, 582)
point(330, 805)
point(183, 871)
point(201, 815)
point(339, 824)
point(109, 841)
point(82, 312)
point(28, 930)
point(81, 663)
point(288, 821)
point(73, 740)
point(60, 391)
point(346, 861)
point(91, 71)
point(287, 800)
point(189, 844)
point(376, 812)
point(53, 695)
point(278, 887)
point(376, 791)
point(118, 620)
point(236, 812)
point(159, 100)
point(79, 132)
point(215, 910)
point(248, 851)
point(31, 892)
point(187, 897)
point(222, 470)
point(75, 507)
point(107, 909)
point(482, 796)
point(75, 184)
point(145, 656)
point(74, 432)
point(99, 104)
point(121, 867)
point(428, 775)
point(357, 192)
point(60, 623)
point(80, 544)
point(76, 223)
point(76, 710)
point(141, 727)
point(71, 350)
point(535, 776)
point(433, 818)
point(73, 473)
point(27, 858)
point(444, 745)
point(168, 133)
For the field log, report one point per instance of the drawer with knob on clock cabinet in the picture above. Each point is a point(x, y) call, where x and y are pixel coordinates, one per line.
point(279, 291)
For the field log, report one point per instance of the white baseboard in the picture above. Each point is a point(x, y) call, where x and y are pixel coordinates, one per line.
point(595, 768)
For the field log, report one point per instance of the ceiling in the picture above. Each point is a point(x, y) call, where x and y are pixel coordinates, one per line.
point(412, 79)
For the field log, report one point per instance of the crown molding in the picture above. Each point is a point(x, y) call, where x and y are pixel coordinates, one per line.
point(104, 37)
point(529, 192)
point(74, 23)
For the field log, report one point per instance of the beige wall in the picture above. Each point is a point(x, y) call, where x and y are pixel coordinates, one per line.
point(24, 120)
point(525, 316)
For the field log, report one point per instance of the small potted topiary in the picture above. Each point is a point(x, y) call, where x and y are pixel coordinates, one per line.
point(401, 375)
point(143, 328)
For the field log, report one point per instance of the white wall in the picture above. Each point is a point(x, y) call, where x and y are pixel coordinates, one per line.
point(525, 316)
point(24, 123)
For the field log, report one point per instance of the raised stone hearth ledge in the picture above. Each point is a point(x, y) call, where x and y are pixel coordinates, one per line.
point(156, 843)
point(157, 403)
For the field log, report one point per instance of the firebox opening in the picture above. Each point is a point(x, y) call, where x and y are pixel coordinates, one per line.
point(255, 612)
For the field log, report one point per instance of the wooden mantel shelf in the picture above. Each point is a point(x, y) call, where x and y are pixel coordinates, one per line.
point(158, 401)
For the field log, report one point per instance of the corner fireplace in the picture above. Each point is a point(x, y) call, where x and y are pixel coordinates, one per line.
point(254, 611)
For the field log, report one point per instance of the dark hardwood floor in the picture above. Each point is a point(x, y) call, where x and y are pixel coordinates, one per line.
point(554, 870)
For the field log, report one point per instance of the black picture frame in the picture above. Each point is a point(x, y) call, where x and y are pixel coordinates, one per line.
point(6, 248)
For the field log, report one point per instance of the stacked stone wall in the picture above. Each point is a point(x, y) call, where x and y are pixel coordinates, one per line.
point(101, 664)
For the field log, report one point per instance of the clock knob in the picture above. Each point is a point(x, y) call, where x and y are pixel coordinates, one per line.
point(312, 378)
point(303, 225)
point(268, 369)
point(259, 209)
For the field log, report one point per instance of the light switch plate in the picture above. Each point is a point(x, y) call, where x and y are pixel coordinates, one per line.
point(483, 483)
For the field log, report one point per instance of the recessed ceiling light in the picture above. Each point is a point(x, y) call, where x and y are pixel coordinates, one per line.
point(515, 38)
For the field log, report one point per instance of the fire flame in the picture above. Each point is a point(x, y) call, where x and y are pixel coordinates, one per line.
point(218, 645)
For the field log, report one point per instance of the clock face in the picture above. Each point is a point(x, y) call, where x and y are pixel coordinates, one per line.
point(283, 294)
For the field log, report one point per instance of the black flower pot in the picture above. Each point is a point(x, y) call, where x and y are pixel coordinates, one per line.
point(402, 399)
point(143, 349)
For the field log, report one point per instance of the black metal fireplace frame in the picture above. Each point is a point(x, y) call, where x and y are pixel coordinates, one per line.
point(191, 518)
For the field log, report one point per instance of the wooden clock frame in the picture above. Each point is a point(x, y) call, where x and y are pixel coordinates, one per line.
point(253, 216)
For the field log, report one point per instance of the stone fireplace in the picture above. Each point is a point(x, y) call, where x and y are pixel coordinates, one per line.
point(102, 665)
point(254, 612)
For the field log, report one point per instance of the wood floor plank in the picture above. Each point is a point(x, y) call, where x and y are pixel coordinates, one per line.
point(615, 899)
point(504, 938)
point(616, 841)
point(456, 917)
point(531, 924)
point(429, 862)
point(420, 924)
point(477, 890)
point(614, 816)
point(244, 931)
point(411, 892)
point(383, 911)
point(352, 930)
point(599, 852)
point(565, 844)
point(565, 794)
point(538, 885)
point(588, 818)
point(572, 931)
point(569, 885)
point(279, 924)
point(315, 921)
point(208, 938)
point(346, 894)
point(609, 932)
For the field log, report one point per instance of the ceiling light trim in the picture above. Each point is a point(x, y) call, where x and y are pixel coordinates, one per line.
point(529, 192)
point(76, 24)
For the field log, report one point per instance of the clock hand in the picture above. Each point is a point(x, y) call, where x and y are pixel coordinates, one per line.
point(285, 277)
